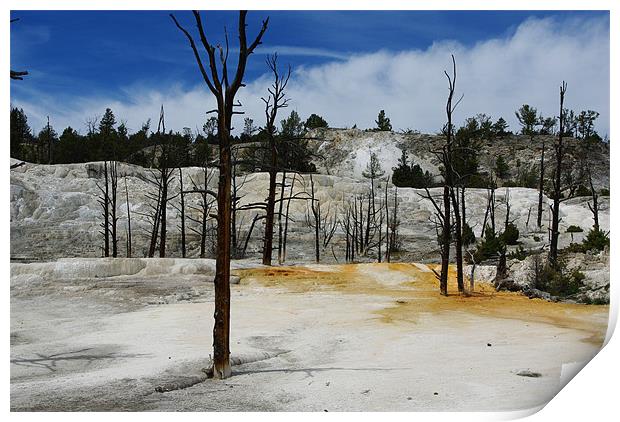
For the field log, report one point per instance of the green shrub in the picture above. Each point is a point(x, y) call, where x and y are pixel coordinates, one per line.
point(490, 247)
point(583, 191)
point(519, 254)
point(469, 238)
point(604, 192)
point(596, 240)
point(501, 167)
point(572, 230)
point(558, 282)
point(510, 234)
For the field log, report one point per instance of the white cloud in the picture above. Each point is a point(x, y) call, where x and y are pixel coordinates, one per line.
point(496, 76)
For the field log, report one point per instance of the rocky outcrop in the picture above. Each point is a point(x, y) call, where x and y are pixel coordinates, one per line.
point(55, 213)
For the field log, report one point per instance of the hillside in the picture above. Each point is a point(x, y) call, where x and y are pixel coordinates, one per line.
point(55, 213)
point(345, 152)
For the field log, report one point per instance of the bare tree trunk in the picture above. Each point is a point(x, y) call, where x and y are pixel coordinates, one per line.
point(156, 219)
point(458, 241)
point(269, 214)
point(114, 218)
point(448, 184)
point(162, 213)
point(387, 224)
point(288, 205)
point(182, 195)
point(317, 221)
point(224, 92)
point(275, 101)
point(128, 220)
point(557, 186)
point(541, 185)
point(594, 207)
point(395, 223)
point(463, 218)
point(280, 227)
point(106, 200)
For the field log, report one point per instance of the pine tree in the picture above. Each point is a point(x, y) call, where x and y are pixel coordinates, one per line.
point(20, 132)
point(500, 127)
point(315, 121)
point(528, 119)
point(294, 153)
point(383, 122)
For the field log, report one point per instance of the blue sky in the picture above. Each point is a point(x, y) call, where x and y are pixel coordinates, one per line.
point(88, 57)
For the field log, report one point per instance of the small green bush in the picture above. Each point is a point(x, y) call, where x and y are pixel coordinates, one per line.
point(596, 240)
point(574, 229)
point(490, 247)
point(519, 254)
point(583, 191)
point(510, 236)
point(604, 192)
point(469, 238)
point(559, 283)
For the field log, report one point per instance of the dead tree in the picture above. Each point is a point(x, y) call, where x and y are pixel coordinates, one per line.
point(280, 215)
point(394, 224)
point(541, 185)
point(104, 202)
point(489, 214)
point(273, 103)
point(207, 199)
point(387, 224)
point(113, 201)
point(458, 238)
point(594, 205)
point(316, 212)
point(282, 256)
point(224, 90)
point(128, 220)
point(557, 185)
point(182, 211)
point(443, 215)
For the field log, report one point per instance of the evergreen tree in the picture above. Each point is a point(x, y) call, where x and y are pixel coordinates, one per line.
point(46, 143)
point(500, 127)
point(401, 174)
point(410, 176)
point(528, 119)
point(315, 121)
point(501, 168)
point(585, 124)
point(70, 147)
point(107, 123)
point(294, 153)
point(20, 132)
point(383, 122)
point(547, 125)
point(106, 139)
point(373, 168)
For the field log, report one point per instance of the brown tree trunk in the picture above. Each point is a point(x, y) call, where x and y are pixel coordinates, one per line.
point(269, 216)
point(106, 199)
point(183, 251)
point(128, 221)
point(281, 207)
point(114, 186)
point(445, 242)
point(541, 184)
point(458, 241)
point(557, 191)
point(221, 328)
point(162, 213)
